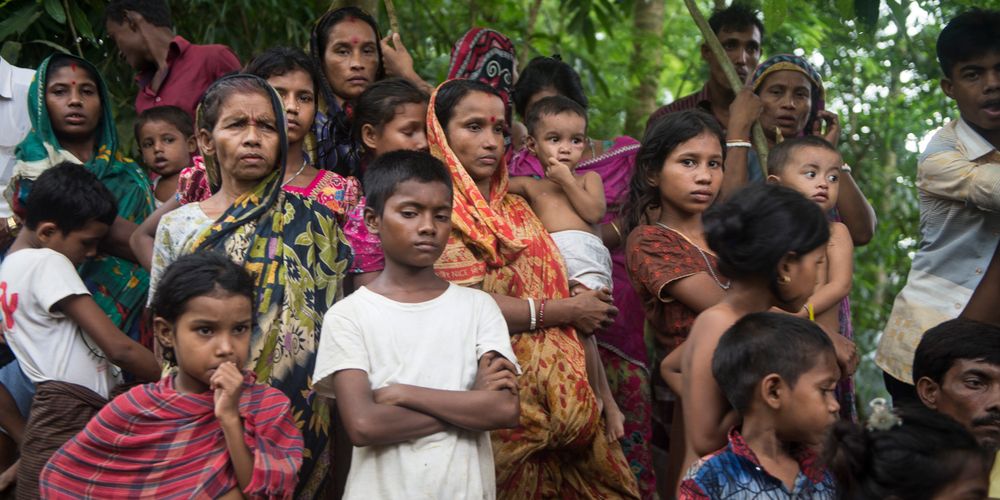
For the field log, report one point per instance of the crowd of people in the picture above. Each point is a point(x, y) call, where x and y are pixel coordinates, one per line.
point(328, 278)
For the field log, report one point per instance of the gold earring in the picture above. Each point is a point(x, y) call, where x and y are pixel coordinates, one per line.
point(784, 280)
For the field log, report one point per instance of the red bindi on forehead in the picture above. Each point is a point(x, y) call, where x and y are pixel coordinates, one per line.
point(354, 40)
point(493, 119)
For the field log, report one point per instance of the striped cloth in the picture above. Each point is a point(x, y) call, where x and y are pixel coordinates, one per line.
point(155, 442)
point(58, 411)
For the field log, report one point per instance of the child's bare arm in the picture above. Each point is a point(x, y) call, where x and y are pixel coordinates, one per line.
point(587, 200)
point(124, 352)
point(840, 262)
point(707, 416)
point(371, 424)
point(521, 186)
point(143, 237)
point(670, 370)
point(491, 404)
point(117, 241)
point(227, 384)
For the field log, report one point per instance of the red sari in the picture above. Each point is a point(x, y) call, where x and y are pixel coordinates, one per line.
point(560, 448)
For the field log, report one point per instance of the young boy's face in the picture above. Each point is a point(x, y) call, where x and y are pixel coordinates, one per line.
point(415, 223)
point(165, 150)
point(811, 405)
point(561, 136)
point(814, 172)
point(214, 329)
point(975, 86)
point(78, 245)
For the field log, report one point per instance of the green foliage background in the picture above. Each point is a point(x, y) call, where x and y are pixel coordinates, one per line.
point(877, 58)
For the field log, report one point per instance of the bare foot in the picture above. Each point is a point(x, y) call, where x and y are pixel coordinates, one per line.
point(9, 476)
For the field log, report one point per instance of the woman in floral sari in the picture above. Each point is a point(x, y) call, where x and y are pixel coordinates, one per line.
point(291, 243)
point(71, 121)
point(498, 244)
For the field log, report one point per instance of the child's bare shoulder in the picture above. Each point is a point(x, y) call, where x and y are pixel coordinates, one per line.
point(712, 323)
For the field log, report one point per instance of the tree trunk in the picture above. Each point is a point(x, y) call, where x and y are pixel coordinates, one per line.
point(647, 62)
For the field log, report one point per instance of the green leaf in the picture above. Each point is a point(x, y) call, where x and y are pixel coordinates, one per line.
point(19, 21)
point(55, 11)
point(845, 8)
point(867, 12)
point(79, 19)
point(54, 45)
point(10, 51)
point(775, 12)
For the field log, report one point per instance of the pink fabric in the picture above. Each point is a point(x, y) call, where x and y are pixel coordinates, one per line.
point(625, 336)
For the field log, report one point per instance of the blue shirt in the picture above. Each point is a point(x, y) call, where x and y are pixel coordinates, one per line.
point(734, 472)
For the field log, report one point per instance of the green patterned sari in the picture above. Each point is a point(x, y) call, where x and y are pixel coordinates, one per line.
point(299, 255)
point(117, 285)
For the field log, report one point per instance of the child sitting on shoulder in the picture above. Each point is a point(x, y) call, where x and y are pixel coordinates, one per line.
point(779, 373)
point(570, 206)
point(913, 452)
point(166, 140)
point(420, 368)
point(224, 431)
point(811, 166)
point(63, 341)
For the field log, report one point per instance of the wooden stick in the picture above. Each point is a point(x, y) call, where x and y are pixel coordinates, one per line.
point(390, 9)
point(759, 140)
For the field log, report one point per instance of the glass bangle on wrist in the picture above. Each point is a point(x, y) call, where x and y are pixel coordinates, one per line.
point(738, 144)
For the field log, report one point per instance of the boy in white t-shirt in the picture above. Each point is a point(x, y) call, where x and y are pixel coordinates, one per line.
point(62, 340)
point(420, 368)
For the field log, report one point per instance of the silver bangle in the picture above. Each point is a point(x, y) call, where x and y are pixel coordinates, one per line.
point(533, 322)
point(738, 144)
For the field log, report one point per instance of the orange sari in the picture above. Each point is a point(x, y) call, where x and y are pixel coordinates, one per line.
point(560, 448)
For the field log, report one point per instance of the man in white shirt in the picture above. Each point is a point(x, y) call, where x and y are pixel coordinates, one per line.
point(14, 120)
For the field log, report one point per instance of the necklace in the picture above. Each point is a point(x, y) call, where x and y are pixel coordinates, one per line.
point(292, 178)
point(708, 263)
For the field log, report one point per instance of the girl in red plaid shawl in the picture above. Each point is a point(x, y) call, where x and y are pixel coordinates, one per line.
point(206, 429)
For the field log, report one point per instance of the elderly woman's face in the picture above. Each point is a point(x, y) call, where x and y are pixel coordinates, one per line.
point(245, 141)
point(787, 99)
point(475, 134)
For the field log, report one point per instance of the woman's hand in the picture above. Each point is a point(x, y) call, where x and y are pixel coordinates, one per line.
point(593, 310)
point(395, 57)
point(832, 122)
point(743, 112)
point(847, 354)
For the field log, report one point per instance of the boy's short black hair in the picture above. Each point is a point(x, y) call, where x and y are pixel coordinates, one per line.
point(69, 196)
point(778, 157)
point(155, 12)
point(392, 169)
point(763, 343)
point(168, 114)
point(553, 105)
point(955, 339)
point(737, 17)
point(969, 35)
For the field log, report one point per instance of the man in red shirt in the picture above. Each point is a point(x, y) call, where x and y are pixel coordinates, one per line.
point(170, 70)
point(740, 32)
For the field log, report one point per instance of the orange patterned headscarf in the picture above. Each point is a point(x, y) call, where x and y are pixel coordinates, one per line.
point(476, 219)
